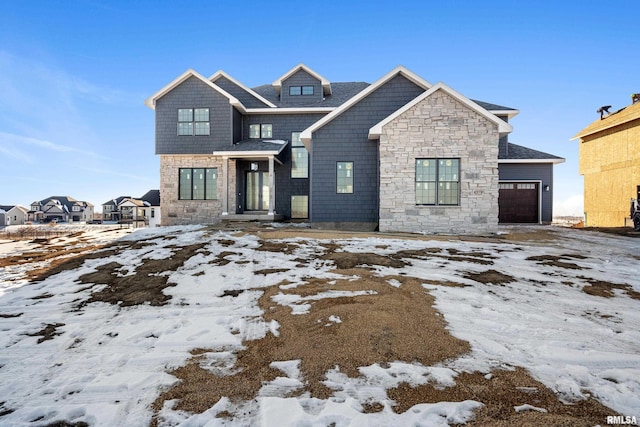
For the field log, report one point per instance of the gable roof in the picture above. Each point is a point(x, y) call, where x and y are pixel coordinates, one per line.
point(307, 134)
point(6, 208)
point(152, 197)
point(620, 117)
point(498, 110)
point(116, 201)
point(503, 127)
point(326, 85)
point(151, 101)
point(513, 153)
point(218, 74)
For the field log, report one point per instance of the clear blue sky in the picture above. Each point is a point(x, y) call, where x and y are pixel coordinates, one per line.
point(74, 74)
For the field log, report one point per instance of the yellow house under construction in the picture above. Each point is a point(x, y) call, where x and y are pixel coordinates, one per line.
point(609, 153)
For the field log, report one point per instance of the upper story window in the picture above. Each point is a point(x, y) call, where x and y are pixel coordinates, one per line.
point(299, 157)
point(193, 121)
point(300, 90)
point(438, 182)
point(75, 208)
point(344, 177)
point(257, 131)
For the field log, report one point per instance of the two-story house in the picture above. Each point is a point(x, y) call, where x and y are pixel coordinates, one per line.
point(61, 208)
point(400, 154)
point(110, 210)
point(609, 152)
point(142, 210)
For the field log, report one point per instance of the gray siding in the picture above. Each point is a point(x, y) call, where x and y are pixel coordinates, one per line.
point(346, 139)
point(242, 95)
point(192, 93)
point(286, 186)
point(301, 78)
point(533, 172)
point(237, 125)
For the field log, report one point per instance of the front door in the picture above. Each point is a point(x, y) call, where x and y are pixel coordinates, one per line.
point(257, 191)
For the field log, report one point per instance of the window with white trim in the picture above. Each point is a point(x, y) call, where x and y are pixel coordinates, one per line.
point(438, 182)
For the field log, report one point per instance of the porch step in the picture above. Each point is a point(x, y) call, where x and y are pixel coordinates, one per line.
point(263, 217)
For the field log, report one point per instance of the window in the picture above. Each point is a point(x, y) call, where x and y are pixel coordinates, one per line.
point(299, 157)
point(264, 131)
point(300, 90)
point(527, 186)
point(193, 121)
point(295, 90)
point(437, 182)
point(153, 213)
point(344, 177)
point(507, 186)
point(299, 207)
point(75, 208)
point(198, 184)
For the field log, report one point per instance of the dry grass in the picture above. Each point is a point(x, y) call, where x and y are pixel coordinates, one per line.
point(391, 324)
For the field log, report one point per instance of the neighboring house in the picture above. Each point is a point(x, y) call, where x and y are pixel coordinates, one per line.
point(400, 154)
point(60, 208)
point(13, 215)
point(143, 210)
point(609, 152)
point(110, 210)
point(152, 200)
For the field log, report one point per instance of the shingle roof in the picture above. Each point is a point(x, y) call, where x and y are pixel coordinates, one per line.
point(6, 208)
point(624, 115)
point(152, 197)
point(493, 107)
point(512, 151)
point(116, 201)
point(340, 92)
point(257, 145)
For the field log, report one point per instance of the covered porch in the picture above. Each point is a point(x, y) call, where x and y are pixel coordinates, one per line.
point(249, 180)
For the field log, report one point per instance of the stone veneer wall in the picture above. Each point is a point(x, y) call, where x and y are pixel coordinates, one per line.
point(439, 127)
point(177, 212)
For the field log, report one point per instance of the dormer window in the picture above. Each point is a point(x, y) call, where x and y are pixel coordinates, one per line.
point(264, 131)
point(193, 121)
point(300, 90)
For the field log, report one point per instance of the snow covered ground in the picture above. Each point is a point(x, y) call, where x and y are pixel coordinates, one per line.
point(62, 358)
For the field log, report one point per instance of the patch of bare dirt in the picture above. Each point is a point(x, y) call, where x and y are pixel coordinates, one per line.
point(490, 276)
point(48, 332)
point(145, 286)
point(601, 288)
point(221, 258)
point(394, 324)
point(619, 231)
point(500, 392)
point(266, 271)
point(559, 261)
point(275, 246)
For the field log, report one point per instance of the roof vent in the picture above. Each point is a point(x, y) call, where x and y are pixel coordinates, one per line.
point(602, 110)
point(635, 97)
